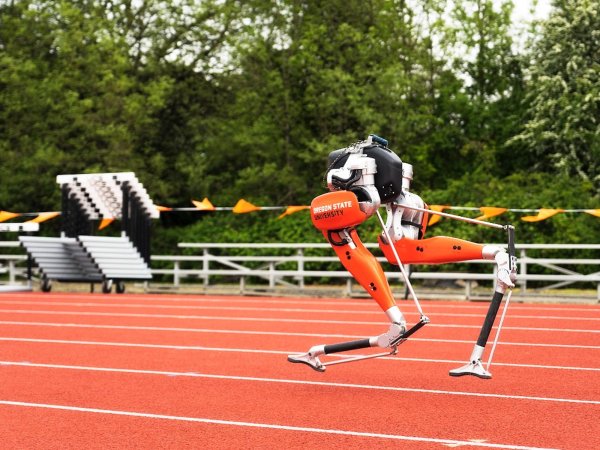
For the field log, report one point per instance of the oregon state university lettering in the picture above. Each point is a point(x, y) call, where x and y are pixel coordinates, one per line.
point(332, 210)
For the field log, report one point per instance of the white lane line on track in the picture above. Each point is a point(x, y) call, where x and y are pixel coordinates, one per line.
point(366, 302)
point(298, 382)
point(450, 442)
point(268, 319)
point(276, 333)
point(374, 311)
point(273, 352)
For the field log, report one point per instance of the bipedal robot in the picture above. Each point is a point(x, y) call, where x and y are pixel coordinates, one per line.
point(361, 178)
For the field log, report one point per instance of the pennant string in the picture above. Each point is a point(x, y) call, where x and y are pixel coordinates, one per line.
point(542, 214)
point(5, 215)
point(243, 206)
point(105, 222)
point(204, 205)
point(434, 217)
point(291, 210)
point(490, 211)
point(42, 217)
point(593, 212)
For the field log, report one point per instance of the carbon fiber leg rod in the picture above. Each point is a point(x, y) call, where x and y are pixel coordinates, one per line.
point(475, 366)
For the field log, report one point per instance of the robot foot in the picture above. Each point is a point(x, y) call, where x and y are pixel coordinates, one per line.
point(474, 368)
point(308, 359)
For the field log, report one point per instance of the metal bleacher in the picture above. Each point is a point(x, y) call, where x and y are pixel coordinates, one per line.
point(61, 259)
point(79, 256)
point(115, 257)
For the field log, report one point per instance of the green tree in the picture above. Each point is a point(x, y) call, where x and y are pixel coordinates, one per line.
point(480, 45)
point(562, 129)
point(69, 101)
point(185, 46)
point(315, 76)
point(101, 86)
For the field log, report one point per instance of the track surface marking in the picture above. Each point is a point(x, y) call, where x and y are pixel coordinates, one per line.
point(176, 371)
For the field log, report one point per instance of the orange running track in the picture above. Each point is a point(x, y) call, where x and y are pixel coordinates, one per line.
point(87, 371)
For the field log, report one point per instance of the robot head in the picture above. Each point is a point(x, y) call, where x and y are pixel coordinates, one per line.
point(388, 176)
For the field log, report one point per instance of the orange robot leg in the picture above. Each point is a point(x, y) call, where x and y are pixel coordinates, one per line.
point(435, 250)
point(361, 263)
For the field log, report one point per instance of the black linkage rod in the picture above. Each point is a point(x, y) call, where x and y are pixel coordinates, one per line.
point(497, 297)
point(489, 318)
point(347, 346)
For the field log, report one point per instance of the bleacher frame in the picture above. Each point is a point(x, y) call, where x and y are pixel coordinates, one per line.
point(79, 256)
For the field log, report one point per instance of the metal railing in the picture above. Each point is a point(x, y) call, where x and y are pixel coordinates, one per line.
point(215, 256)
point(292, 265)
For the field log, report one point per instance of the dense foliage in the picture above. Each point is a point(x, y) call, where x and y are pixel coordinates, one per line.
point(229, 99)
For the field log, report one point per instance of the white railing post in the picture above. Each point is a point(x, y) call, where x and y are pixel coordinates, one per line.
point(206, 266)
point(11, 272)
point(300, 254)
point(271, 275)
point(176, 274)
point(349, 287)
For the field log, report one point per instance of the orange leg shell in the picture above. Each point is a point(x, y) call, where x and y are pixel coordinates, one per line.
point(435, 250)
point(361, 263)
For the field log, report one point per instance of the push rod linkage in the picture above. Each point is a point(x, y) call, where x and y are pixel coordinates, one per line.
point(455, 217)
point(498, 330)
point(401, 267)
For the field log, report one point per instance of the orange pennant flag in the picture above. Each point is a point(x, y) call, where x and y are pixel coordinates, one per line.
point(434, 217)
point(593, 212)
point(43, 217)
point(163, 208)
point(543, 214)
point(5, 215)
point(105, 222)
point(204, 205)
point(292, 209)
point(490, 211)
point(242, 207)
